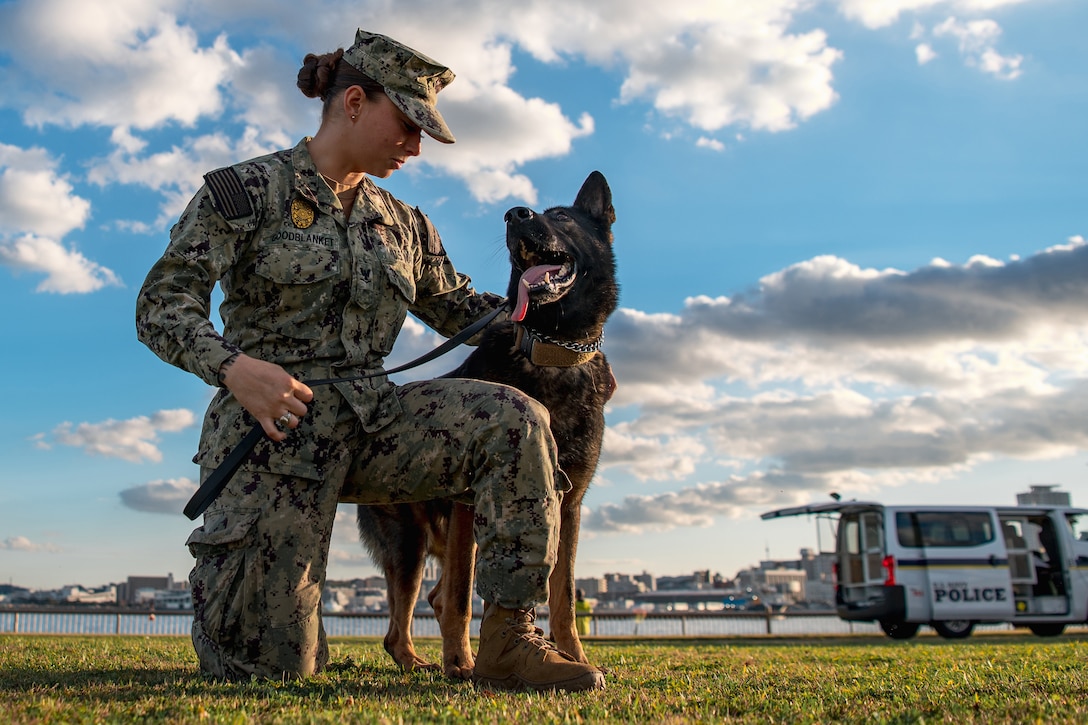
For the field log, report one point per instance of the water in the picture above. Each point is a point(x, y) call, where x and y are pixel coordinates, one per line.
point(100, 622)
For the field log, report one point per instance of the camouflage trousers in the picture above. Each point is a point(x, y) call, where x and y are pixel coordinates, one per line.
point(262, 551)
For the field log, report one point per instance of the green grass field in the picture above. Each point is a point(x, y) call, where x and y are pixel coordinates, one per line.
point(1014, 678)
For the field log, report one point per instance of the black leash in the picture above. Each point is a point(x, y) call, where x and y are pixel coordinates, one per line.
point(218, 479)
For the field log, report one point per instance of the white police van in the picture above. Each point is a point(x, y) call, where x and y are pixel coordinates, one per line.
point(952, 567)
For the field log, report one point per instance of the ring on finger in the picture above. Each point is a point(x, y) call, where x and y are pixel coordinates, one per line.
point(285, 419)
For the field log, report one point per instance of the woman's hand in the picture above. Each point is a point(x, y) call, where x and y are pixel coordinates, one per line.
point(268, 393)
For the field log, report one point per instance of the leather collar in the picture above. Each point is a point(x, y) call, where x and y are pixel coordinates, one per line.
point(546, 352)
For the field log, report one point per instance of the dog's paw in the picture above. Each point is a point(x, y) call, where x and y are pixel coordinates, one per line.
point(460, 669)
point(415, 662)
point(459, 673)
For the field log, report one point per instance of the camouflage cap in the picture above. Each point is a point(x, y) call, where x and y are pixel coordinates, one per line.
point(411, 80)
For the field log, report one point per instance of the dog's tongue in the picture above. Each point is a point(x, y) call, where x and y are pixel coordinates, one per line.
point(530, 277)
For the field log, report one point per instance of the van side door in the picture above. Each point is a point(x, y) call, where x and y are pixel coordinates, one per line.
point(1076, 528)
point(861, 553)
point(964, 553)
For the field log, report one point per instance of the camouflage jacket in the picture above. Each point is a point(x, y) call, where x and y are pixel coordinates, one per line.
point(302, 288)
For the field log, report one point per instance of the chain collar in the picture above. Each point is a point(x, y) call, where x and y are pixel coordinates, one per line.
point(549, 352)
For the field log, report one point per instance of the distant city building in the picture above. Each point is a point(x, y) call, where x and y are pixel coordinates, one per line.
point(1043, 496)
point(593, 587)
point(335, 599)
point(173, 599)
point(620, 585)
point(696, 580)
point(820, 576)
point(105, 595)
point(788, 582)
point(148, 591)
point(777, 582)
point(139, 589)
point(360, 596)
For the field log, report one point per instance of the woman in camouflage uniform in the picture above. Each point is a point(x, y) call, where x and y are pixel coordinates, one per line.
point(319, 267)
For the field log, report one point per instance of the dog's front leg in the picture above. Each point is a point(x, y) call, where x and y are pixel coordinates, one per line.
point(454, 599)
point(403, 589)
point(561, 584)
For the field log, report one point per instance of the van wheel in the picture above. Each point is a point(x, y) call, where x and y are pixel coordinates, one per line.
point(899, 630)
point(1046, 630)
point(954, 628)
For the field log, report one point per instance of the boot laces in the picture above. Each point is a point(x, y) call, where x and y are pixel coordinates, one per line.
point(523, 626)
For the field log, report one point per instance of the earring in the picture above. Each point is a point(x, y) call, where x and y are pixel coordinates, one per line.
point(353, 117)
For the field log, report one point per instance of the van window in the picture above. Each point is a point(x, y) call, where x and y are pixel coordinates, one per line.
point(943, 528)
point(1078, 526)
point(851, 536)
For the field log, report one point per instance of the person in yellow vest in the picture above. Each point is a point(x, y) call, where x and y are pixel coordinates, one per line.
point(582, 610)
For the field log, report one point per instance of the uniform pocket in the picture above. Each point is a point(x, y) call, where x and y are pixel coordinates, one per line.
point(284, 264)
point(225, 575)
point(293, 457)
point(223, 530)
point(400, 275)
point(397, 295)
point(297, 289)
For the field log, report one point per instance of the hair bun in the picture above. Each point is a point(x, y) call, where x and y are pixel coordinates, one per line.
point(318, 73)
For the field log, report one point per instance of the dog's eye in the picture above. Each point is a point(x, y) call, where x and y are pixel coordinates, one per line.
point(560, 216)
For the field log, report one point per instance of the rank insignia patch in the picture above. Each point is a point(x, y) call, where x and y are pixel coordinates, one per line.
point(302, 214)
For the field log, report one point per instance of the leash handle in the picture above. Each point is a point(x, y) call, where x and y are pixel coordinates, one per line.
point(218, 479)
point(214, 484)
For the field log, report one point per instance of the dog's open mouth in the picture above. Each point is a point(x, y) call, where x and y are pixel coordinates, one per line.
point(544, 282)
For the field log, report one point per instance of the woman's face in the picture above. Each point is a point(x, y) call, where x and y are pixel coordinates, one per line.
point(383, 138)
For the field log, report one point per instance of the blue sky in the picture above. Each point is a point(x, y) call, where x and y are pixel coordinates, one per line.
point(851, 242)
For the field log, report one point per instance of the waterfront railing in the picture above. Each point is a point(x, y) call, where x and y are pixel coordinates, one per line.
point(732, 623)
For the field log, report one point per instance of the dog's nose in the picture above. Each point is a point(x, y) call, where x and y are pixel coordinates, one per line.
point(518, 213)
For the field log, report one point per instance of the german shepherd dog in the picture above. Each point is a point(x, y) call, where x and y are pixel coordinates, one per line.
point(563, 285)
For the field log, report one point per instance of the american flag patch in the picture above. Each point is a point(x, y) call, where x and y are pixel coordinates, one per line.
point(227, 192)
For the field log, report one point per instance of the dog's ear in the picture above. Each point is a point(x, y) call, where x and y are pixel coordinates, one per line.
point(595, 198)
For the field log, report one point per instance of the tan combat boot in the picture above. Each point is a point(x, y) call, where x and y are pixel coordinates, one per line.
point(514, 655)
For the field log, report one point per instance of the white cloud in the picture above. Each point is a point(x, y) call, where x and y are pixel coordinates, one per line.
point(829, 376)
point(762, 75)
point(702, 505)
point(650, 457)
point(881, 13)
point(21, 543)
point(35, 197)
point(132, 440)
point(67, 271)
point(976, 40)
point(160, 497)
point(138, 66)
point(501, 132)
point(697, 505)
point(710, 143)
point(124, 63)
point(1005, 67)
point(768, 84)
point(924, 53)
point(177, 172)
point(266, 101)
point(38, 207)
